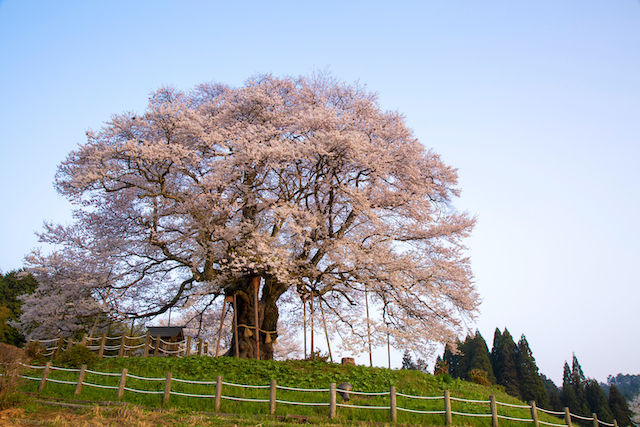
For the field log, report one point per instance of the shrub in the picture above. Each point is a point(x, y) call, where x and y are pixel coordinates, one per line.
point(11, 368)
point(35, 352)
point(76, 357)
point(479, 376)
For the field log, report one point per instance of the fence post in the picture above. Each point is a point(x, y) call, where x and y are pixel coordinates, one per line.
point(595, 420)
point(393, 407)
point(188, 349)
point(272, 397)
point(494, 412)
point(84, 339)
point(447, 408)
point(157, 349)
point(147, 342)
point(332, 400)
point(567, 416)
point(534, 413)
point(45, 374)
point(58, 348)
point(83, 370)
point(102, 344)
point(123, 343)
point(218, 399)
point(615, 423)
point(123, 381)
point(167, 389)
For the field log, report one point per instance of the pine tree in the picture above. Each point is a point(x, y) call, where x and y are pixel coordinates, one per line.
point(476, 358)
point(597, 401)
point(619, 407)
point(555, 403)
point(578, 381)
point(573, 394)
point(568, 397)
point(505, 362)
point(531, 384)
point(452, 358)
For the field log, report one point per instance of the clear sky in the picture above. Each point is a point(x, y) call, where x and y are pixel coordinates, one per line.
point(536, 103)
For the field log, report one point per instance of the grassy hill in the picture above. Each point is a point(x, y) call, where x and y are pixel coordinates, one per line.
point(292, 374)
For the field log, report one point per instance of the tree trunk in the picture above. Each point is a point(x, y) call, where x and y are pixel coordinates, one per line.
point(267, 318)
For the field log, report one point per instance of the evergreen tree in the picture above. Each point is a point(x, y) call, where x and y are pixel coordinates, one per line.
point(597, 401)
point(555, 403)
point(452, 358)
point(493, 357)
point(12, 285)
point(477, 357)
point(573, 395)
point(619, 407)
point(505, 363)
point(531, 384)
point(578, 381)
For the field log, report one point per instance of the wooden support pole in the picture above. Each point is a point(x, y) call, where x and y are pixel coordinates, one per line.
point(200, 347)
point(84, 339)
point(272, 397)
point(58, 348)
point(224, 312)
point(69, 343)
point(494, 412)
point(123, 345)
point(615, 423)
point(83, 371)
point(206, 348)
point(326, 333)
point(147, 343)
point(447, 408)
point(187, 350)
point(332, 400)
point(304, 323)
point(123, 381)
point(256, 286)
point(218, 398)
point(393, 406)
point(167, 389)
point(567, 416)
point(366, 303)
point(313, 353)
point(595, 420)
point(235, 324)
point(534, 413)
point(103, 341)
point(45, 374)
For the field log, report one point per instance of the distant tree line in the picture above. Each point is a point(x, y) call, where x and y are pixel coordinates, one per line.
point(513, 367)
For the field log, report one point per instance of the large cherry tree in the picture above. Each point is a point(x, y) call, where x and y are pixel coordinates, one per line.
point(296, 184)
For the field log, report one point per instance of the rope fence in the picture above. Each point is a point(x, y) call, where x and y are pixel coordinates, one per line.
point(125, 346)
point(392, 406)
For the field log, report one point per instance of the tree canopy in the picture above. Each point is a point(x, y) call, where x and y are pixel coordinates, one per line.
point(297, 184)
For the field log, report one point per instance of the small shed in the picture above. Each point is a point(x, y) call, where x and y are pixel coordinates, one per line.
point(170, 338)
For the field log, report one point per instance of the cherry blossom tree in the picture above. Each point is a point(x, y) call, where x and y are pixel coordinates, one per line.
point(301, 186)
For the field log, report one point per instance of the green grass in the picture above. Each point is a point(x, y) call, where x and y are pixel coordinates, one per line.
point(296, 374)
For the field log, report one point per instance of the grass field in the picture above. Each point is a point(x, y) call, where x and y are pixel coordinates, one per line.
point(290, 374)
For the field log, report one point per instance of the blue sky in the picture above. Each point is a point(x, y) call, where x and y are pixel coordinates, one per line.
point(536, 104)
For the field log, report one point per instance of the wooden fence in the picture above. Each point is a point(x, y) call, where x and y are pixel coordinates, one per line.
point(126, 346)
point(332, 403)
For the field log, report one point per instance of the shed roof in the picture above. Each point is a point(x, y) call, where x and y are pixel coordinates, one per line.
point(165, 331)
